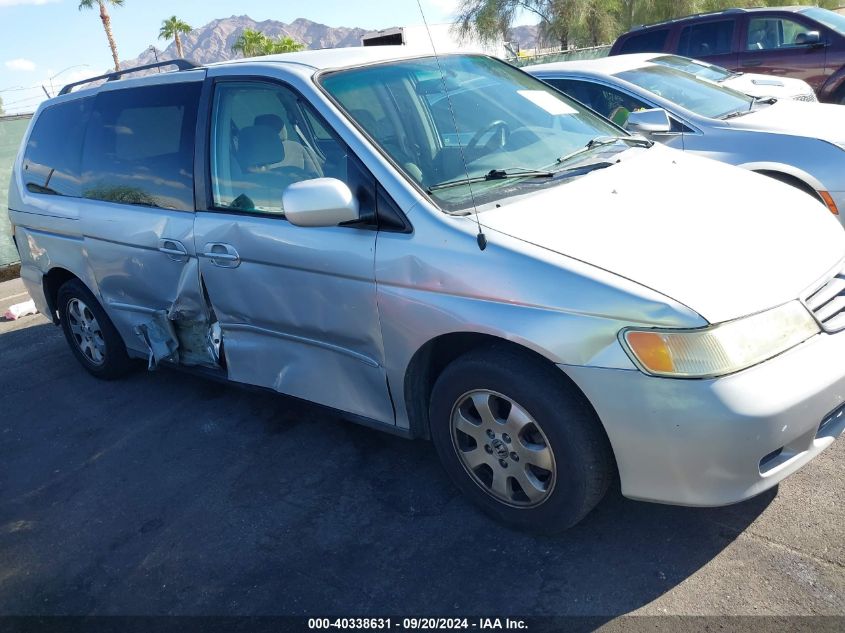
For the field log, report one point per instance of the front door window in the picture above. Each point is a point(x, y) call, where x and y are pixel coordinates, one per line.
point(263, 140)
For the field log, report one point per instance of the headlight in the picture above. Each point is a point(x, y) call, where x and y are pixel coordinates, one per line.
point(720, 349)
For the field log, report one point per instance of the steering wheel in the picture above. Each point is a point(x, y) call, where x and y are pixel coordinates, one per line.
point(504, 132)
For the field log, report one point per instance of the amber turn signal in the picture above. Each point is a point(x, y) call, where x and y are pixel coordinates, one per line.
point(828, 200)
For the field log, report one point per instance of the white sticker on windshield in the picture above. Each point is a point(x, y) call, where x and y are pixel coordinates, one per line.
point(548, 102)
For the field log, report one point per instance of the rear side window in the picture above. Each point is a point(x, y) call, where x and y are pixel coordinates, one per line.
point(650, 42)
point(709, 38)
point(139, 147)
point(51, 163)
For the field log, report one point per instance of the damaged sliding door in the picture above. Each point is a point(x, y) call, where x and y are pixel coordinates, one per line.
point(296, 305)
point(137, 216)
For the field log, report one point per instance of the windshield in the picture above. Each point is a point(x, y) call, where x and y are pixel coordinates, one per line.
point(504, 121)
point(693, 67)
point(696, 95)
point(830, 19)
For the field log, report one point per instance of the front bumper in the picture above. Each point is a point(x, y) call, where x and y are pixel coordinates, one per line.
point(719, 441)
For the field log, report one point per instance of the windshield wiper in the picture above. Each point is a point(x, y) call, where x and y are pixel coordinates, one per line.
point(580, 170)
point(493, 174)
point(754, 101)
point(600, 141)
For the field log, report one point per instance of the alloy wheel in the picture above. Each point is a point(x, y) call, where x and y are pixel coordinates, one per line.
point(503, 448)
point(86, 331)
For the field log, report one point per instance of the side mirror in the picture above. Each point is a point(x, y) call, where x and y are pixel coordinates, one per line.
point(809, 38)
point(319, 202)
point(654, 121)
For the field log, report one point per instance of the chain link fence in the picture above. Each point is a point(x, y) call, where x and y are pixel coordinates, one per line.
point(12, 129)
point(593, 52)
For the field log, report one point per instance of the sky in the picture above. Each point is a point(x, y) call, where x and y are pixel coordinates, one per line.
point(44, 41)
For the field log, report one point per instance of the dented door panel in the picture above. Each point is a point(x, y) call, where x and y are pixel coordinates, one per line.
point(136, 279)
point(298, 313)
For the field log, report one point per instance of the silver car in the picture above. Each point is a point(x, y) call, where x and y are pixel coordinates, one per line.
point(752, 84)
point(446, 249)
point(801, 144)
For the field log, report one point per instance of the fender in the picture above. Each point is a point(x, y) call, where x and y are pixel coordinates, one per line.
point(43, 250)
point(788, 170)
point(830, 90)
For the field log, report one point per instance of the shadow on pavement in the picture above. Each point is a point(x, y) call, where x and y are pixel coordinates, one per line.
point(168, 494)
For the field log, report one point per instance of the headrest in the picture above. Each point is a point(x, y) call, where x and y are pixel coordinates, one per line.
point(259, 146)
point(270, 120)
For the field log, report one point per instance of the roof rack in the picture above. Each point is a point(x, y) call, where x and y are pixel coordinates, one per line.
point(683, 18)
point(181, 64)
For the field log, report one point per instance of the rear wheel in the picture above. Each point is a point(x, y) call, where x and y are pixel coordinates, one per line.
point(92, 337)
point(519, 441)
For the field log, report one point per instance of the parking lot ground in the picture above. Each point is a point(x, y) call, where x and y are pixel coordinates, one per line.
point(164, 493)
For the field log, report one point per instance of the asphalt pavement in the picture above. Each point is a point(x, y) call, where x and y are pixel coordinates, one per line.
point(164, 493)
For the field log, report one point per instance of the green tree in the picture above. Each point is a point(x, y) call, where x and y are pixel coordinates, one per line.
point(490, 20)
point(588, 22)
point(599, 22)
point(286, 44)
point(170, 29)
point(2, 111)
point(106, 19)
point(252, 43)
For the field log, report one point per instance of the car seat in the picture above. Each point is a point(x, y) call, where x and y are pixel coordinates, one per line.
point(296, 154)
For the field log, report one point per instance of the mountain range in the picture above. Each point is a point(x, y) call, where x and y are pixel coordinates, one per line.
point(213, 42)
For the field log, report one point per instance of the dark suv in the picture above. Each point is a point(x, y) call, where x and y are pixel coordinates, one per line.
point(803, 42)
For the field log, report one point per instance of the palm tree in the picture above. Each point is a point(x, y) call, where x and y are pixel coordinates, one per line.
point(252, 43)
point(171, 28)
point(104, 16)
point(286, 44)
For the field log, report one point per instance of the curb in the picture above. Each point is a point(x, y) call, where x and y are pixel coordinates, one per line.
point(12, 271)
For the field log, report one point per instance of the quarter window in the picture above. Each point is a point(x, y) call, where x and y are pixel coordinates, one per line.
point(710, 38)
point(772, 33)
point(52, 156)
point(265, 138)
point(139, 148)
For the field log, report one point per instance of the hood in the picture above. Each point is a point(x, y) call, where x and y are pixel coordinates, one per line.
point(825, 121)
point(723, 241)
point(769, 86)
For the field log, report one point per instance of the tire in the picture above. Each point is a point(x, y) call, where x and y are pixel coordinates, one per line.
point(92, 337)
point(563, 462)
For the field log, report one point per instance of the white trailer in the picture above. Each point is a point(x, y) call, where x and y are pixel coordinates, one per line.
point(443, 37)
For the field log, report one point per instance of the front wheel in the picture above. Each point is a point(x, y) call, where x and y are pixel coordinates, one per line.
point(519, 440)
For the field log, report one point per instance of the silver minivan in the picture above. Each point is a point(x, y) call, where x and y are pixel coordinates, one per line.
point(445, 248)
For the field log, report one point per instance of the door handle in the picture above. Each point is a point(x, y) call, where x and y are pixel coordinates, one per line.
point(223, 255)
point(174, 249)
point(752, 63)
